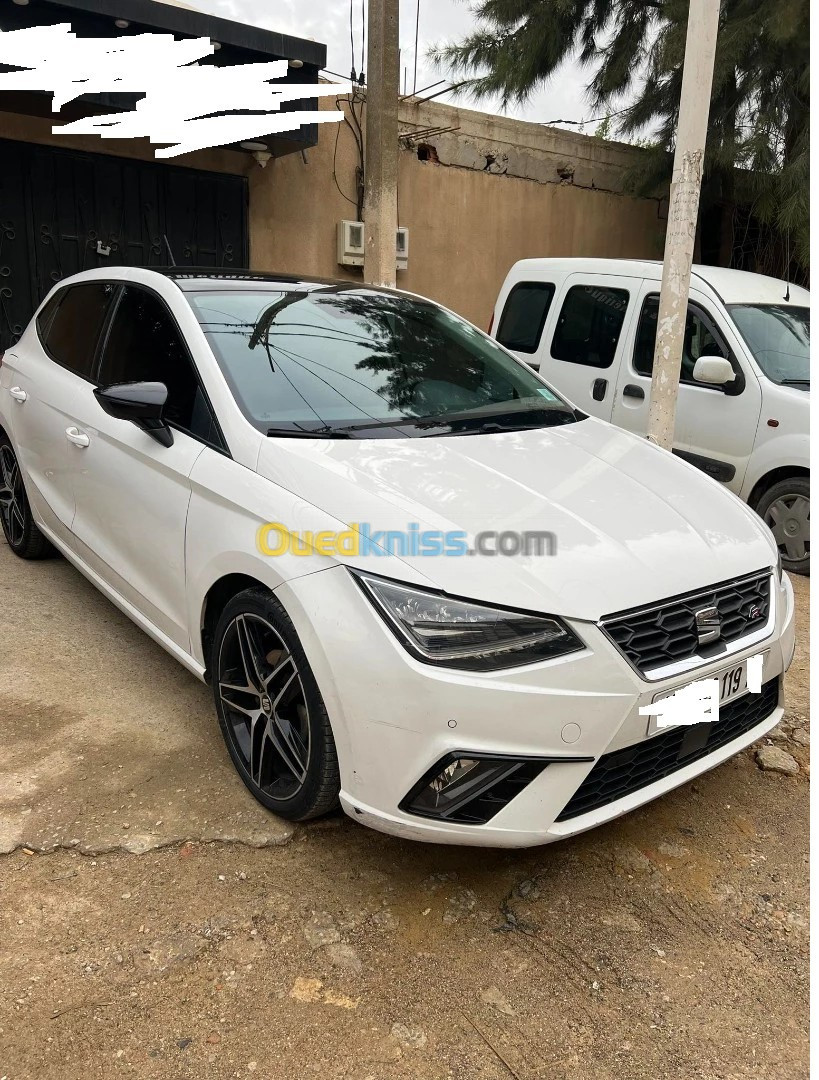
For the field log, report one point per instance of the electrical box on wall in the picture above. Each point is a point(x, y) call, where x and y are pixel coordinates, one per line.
point(351, 245)
point(401, 249)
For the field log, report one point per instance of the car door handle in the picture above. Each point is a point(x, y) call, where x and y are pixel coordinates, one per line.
point(630, 390)
point(77, 437)
point(599, 389)
point(19, 395)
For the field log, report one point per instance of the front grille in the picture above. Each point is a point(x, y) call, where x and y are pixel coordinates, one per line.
point(623, 771)
point(667, 632)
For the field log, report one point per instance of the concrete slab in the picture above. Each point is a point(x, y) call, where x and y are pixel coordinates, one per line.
point(106, 742)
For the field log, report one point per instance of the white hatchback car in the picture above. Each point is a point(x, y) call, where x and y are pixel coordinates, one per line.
point(588, 326)
point(283, 482)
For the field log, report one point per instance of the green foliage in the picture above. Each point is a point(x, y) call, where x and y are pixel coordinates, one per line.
point(634, 51)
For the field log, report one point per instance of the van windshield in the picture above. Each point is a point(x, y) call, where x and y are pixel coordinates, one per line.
point(779, 337)
point(350, 362)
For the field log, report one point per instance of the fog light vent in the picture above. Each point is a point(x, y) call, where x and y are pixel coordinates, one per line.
point(470, 790)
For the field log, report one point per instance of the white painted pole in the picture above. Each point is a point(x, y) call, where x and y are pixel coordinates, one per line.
point(381, 148)
point(692, 127)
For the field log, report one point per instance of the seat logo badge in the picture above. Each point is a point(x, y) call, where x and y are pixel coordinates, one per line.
point(754, 613)
point(708, 625)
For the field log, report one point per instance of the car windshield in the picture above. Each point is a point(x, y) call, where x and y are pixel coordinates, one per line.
point(779, 338)
point(346, 361)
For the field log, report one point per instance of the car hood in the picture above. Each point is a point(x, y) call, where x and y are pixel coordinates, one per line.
point(632, 523)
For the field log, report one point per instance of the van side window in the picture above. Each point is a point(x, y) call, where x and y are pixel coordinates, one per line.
point(524, 315)
point(589, 325)
point(701, 339)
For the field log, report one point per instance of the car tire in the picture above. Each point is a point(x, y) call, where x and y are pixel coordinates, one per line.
point(271, 713)
point(785, 509)
point(22, 535)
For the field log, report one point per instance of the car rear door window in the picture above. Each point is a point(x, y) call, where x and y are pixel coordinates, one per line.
point(144, 344)
point(701, 339)
point(70, 334)
point(524, 315)
point(588, 327)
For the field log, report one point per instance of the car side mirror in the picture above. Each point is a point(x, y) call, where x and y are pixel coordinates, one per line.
point(714, 371)
point(141, 403)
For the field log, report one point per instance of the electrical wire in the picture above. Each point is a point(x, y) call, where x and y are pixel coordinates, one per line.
point(352, 45)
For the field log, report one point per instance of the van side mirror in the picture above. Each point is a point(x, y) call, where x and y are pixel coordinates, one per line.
point(713, 371)
point(141, 403)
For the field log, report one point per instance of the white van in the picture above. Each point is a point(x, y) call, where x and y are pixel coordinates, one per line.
point(588, 326)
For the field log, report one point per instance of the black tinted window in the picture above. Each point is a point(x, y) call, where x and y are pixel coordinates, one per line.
point(71, 338)
point(144, 345)
point(524, 315)
point(47, 314)
point(589, 325)
point(700, 339)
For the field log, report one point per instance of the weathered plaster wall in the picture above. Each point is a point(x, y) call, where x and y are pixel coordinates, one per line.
point(503, 190)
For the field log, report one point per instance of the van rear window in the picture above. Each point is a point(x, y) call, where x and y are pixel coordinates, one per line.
point(524, 315)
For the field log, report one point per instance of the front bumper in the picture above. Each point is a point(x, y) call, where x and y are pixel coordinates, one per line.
point(393, 718)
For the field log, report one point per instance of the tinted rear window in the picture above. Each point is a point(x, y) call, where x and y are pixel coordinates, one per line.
point(71, 339)
point(524, 315)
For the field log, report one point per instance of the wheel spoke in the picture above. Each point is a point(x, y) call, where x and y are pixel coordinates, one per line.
point(283, 690)
point(250, 653)
point(17, 515)
point(5, 468)
point(283, 660)
point(246, 653)
point(801, 512)
point(288, 745)
point(795, 547)
point(235, 705)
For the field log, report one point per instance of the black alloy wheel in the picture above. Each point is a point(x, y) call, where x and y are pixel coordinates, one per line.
point(22, 535)
point(270, 709)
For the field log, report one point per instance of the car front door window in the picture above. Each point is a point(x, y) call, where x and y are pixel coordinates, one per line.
point(145, 345)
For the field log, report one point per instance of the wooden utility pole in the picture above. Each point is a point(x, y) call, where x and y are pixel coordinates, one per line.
point(381, 146)
point(684, 200)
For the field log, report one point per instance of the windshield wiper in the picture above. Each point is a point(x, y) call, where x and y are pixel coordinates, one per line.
point(795, 382)
point(303, 433)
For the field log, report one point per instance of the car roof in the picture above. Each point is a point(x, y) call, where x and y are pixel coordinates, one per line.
point(732, 286)
point(208, 278)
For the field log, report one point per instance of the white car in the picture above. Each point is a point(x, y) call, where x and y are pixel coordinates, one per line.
point(176, 435)
point(588, 326)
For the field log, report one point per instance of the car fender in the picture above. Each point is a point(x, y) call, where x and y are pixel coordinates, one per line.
point(791, 451)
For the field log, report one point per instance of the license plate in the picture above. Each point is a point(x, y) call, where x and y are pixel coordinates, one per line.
point(733, 683)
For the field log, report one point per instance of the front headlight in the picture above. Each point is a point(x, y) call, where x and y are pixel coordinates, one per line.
point(470, 637)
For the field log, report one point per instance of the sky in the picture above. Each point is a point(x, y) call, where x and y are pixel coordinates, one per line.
point(328, 21)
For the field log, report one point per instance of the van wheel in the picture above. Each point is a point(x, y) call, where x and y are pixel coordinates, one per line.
point(271, 711)
point(785, 509)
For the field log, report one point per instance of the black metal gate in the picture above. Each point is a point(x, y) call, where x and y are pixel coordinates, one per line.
point(62, 211)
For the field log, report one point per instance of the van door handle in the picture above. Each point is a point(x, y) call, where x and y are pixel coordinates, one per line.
point(630, 390)
point(599, 389)
point(77, 437)
point(19, 395)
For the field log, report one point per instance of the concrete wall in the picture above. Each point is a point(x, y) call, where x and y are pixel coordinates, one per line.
point(501, 190)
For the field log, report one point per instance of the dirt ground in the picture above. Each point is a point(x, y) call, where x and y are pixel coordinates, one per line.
point(155, 922)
